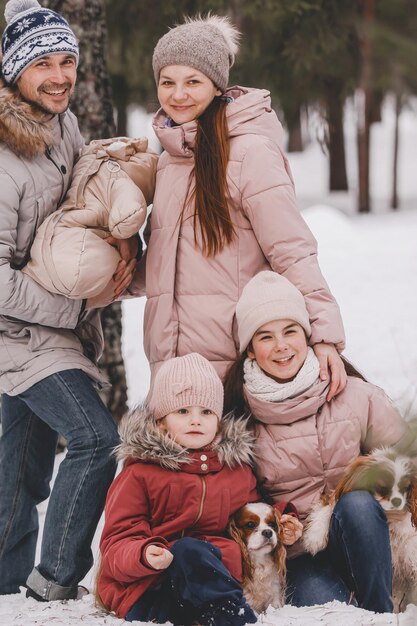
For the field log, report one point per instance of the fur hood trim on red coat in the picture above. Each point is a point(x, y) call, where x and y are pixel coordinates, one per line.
point(23, 128)
point(141, 439)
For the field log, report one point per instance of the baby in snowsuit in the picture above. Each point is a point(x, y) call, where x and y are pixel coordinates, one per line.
point(113, 183)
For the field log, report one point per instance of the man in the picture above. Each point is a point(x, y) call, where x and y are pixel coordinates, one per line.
point(49, 345)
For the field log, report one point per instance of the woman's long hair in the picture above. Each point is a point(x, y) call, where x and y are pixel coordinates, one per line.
point(210, 191)
point(234, 397)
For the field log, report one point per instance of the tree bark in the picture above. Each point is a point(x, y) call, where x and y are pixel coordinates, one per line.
point(394, 196)
point(121, 98)
point(93, 107)
point(295, 135)
point(336, 141)
point(365, 108)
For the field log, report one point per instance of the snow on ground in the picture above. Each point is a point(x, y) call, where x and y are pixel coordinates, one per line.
point(370, 262)
point(19, 611)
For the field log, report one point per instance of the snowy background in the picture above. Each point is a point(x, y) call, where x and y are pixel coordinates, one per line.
point(370, 262)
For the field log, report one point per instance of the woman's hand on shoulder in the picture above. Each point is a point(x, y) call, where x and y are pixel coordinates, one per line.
point(331, 365)
point(158, 557)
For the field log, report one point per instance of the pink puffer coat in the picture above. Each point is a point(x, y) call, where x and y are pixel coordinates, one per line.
point(304, 444)
point(113, 183)
point(191, 298)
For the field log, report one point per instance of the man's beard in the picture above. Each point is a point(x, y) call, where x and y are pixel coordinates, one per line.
point(44, 109)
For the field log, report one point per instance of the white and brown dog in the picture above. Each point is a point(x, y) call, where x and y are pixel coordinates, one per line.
point(257, 528)
point(392, 479)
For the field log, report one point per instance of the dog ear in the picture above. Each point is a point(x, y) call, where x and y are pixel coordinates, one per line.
point(280, 528)
point(235, 534)
point(280, 553)
point(359, 475)
point(412, 502)
point(280, 558)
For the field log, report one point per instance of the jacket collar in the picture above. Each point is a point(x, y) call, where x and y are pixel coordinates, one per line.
point(26, 130)
point(249, 112)
point(142, 440)
point(291, 410)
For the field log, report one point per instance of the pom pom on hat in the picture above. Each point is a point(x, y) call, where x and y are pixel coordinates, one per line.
point(15, 7)
point(207, 44)
point(183, 381)
point(266, 297)
point(32, 32)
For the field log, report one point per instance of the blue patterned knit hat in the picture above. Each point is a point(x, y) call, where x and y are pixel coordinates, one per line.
point(32, 32)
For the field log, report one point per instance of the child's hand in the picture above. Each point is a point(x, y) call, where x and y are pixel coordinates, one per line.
point(157, 557)
point(292, 529)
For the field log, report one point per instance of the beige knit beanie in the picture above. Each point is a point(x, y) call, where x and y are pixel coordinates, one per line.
point(184, 381)
point(266, 297)
point(207, 44)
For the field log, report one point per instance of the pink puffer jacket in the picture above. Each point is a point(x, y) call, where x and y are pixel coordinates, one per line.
point(113, 183)
point(304, 444)
point(191, 299)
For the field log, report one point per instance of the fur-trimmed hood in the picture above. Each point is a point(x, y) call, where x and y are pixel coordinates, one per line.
point(141, 439)
point(23, 128)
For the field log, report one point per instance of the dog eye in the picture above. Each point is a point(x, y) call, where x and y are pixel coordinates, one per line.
point(383, 491)
point(250, 525)
point(273, 525)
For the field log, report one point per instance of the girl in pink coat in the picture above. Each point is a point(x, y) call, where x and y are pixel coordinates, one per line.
point(304, 443)
point(224, 207)
point(165, 552)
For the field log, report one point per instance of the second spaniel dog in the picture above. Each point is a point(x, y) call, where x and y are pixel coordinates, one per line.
point(257, 529)
point(392, 478)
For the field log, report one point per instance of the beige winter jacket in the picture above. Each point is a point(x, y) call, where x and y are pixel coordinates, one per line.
point(191, 299)
point(38, 330)
point(304, 444)
point(113, 182)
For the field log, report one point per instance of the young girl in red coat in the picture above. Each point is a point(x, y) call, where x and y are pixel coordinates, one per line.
point(165, 553)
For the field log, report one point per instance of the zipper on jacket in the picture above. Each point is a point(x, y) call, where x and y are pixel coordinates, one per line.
point(48, 155)
point(35, 230)
point(203, 497)
point(200, 510)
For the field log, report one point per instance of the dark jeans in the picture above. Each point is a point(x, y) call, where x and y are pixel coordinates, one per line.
point(68, 403)
point(357, 559)
point(196, 588)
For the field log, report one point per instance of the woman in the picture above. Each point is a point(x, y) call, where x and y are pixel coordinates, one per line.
point(304, 443)
point(224, 207)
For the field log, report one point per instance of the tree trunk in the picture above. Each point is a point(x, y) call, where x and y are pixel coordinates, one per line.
point(336, 141)
point(295, 135)
point(121, 98)
point(394, 197)
point(93, 107)
point(365, 108)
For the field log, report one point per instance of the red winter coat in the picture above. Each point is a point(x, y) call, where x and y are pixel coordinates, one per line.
point(164, 493)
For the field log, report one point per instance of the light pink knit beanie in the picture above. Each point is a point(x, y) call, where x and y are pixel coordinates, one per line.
point(268, 296)
point(184, 381)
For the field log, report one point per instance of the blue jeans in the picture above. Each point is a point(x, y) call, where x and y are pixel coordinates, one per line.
point(65, 403)
point(357, 559)
point(197, 587)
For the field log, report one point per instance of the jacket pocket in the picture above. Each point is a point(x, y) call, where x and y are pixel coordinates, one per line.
point(225, 509)
point(167, 506)
point(44, 338)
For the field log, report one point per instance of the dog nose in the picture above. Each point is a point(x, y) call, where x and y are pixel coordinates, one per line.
point(396, 502)
point(267, 533)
